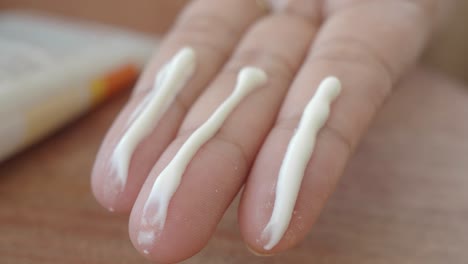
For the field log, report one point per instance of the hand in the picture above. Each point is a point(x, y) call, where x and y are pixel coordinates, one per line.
point(368, 45)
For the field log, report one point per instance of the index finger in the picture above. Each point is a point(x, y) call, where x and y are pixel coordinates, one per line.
point(212, 28)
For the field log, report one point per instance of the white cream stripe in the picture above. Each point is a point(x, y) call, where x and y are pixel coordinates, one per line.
point(168, 83)
point(297, 156)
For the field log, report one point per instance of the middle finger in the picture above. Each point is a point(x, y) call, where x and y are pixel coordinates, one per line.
point(277, 44)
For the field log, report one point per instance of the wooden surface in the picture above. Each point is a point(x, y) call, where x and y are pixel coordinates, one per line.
point(403, 198)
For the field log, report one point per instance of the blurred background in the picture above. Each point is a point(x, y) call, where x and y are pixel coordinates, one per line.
point(156, 16)
point(48, 215)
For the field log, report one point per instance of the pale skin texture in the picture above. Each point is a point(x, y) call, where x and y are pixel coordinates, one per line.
point(368, 45)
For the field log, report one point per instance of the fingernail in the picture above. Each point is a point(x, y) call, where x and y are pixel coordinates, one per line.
point(258, 254)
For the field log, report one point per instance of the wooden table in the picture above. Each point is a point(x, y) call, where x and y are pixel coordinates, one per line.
point(403, 198)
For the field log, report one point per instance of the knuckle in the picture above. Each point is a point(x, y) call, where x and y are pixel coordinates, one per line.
point(206, 30)
point(182, 104)
point(275, 65)
point(237, 149)
point(222, 145)
point(353, 55)
point(353, 51)
point(331, 131)
point(340, 137)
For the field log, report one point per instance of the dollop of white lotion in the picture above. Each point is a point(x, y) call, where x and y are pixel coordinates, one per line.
point(155, 209)
point(297, 156)
point(168, 83)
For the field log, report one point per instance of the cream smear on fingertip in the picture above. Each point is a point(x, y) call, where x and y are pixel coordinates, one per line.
point(168, 83)
point(297, 156)
point(166, 184)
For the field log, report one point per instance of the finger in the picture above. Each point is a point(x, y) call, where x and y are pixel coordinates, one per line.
point(218, 169)
point(212, 28)
point(358, 44)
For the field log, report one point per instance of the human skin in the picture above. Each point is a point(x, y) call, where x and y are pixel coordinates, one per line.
point(369, 45)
